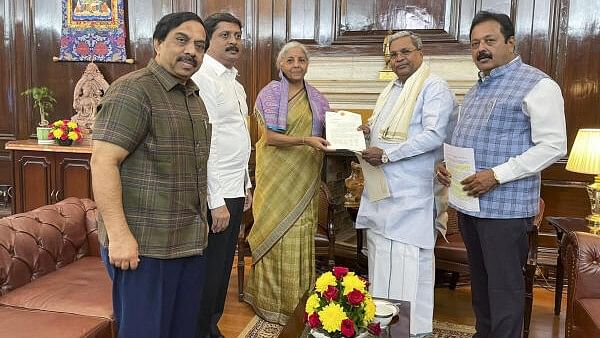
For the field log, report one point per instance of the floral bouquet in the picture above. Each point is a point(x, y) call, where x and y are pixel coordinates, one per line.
point(341, 306)
point(65, 132)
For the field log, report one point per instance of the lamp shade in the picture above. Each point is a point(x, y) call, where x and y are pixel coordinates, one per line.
point(585, 154)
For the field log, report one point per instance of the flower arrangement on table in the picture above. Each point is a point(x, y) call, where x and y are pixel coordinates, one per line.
point(65, 132)
point(341, 306)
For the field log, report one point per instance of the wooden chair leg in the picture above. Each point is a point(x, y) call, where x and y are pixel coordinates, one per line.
point(453, 280)
point(240, 268)
point(529, 276)
point(331, 250)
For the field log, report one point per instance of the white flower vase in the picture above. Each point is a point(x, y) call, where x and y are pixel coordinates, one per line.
point(42, 135)
point(319, 334)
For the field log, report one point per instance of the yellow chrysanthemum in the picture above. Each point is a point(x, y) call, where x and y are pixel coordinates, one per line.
point(73, 136)
point(58, 123)
point(324, 281)
point(72, 125)
point(57, 133)
point(332, 316)
point(369, 309)
point(351, 282)
point(312, 303)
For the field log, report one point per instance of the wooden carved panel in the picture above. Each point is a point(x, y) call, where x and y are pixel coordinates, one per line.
point(73, 176)
point(34, 179)
point(357, 27)
point(384, 15)
point(368, 21)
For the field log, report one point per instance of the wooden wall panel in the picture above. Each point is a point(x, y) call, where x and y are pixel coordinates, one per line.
point(561, 37)
point(302, 19)
point(8, 124)
point(578, 69)
point(238, 9)
point(500, 6)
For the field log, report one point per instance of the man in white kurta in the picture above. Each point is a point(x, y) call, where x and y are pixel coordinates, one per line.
point(406, 132)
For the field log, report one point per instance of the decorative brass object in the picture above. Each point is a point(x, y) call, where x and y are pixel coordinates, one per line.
point(387, 73)
point(355, 184)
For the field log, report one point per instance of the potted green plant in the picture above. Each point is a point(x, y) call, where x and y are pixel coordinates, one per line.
point(43, 100)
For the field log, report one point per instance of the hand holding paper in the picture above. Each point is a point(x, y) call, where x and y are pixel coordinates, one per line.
point(342, 132)
point(460, 162)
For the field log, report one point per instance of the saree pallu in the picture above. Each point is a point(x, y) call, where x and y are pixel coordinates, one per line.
point(285, 210)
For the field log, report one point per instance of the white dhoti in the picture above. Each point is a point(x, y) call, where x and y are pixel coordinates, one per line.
point(405, 272)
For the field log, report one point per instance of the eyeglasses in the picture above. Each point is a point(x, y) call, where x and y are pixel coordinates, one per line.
point(402, 52)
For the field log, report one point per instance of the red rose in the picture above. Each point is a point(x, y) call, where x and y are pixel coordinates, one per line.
point(331, 293)
point(355, 297)
point(339, 271)
point(347, 328)
point(374, 329)
point(313, 320)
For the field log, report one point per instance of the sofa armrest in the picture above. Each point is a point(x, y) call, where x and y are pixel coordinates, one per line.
point(91, 225)
point(582, 263)
point(38, 242)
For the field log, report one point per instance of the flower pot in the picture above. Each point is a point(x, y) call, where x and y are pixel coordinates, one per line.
point(42, 135)
point(66, 142)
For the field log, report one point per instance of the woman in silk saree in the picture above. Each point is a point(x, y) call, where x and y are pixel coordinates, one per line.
point(289, 157)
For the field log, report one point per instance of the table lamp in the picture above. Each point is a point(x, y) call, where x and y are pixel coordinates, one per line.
point(585, 158)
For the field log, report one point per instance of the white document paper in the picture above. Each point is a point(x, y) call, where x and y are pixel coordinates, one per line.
point(375, 181)
point(341, 130)
point(460, 162)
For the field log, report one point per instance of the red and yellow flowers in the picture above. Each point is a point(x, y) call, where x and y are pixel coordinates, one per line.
point(340, 305)
point(65, 130)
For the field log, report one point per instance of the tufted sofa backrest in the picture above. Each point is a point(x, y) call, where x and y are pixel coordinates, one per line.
point(35, 243)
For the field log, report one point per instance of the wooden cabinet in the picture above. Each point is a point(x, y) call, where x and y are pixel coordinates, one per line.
point(49, 174)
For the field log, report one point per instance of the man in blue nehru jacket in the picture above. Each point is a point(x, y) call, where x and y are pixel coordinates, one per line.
point(514, 120)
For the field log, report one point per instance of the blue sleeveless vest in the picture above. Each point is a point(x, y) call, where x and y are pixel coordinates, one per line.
point(493, 123)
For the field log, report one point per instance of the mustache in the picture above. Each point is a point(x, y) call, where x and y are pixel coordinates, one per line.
point(232, 48)
point(188, 58)
point(483, 55)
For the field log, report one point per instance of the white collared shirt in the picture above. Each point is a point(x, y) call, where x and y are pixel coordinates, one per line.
point(225, 101)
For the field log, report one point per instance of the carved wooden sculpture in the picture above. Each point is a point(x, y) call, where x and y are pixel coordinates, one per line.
point(88, 91)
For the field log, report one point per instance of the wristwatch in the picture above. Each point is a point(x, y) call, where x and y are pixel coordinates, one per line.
point(384, 158)
point(495, 176)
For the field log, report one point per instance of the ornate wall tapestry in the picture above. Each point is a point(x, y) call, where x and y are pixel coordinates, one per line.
point(93, 30)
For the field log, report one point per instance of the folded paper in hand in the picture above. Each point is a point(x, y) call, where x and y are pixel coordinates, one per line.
point(375, 181)
point(341, 129)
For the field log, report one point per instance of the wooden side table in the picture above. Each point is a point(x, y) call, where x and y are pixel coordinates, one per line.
point(562, 226)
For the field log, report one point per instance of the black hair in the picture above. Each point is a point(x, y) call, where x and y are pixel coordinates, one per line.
point(170, 21)
point(506, 26)
point(213, 20)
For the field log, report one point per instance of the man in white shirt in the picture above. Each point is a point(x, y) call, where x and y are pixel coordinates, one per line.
point(228, 178)
point(513, 119)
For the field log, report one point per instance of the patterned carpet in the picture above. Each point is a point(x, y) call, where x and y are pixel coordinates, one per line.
point(258, 328)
